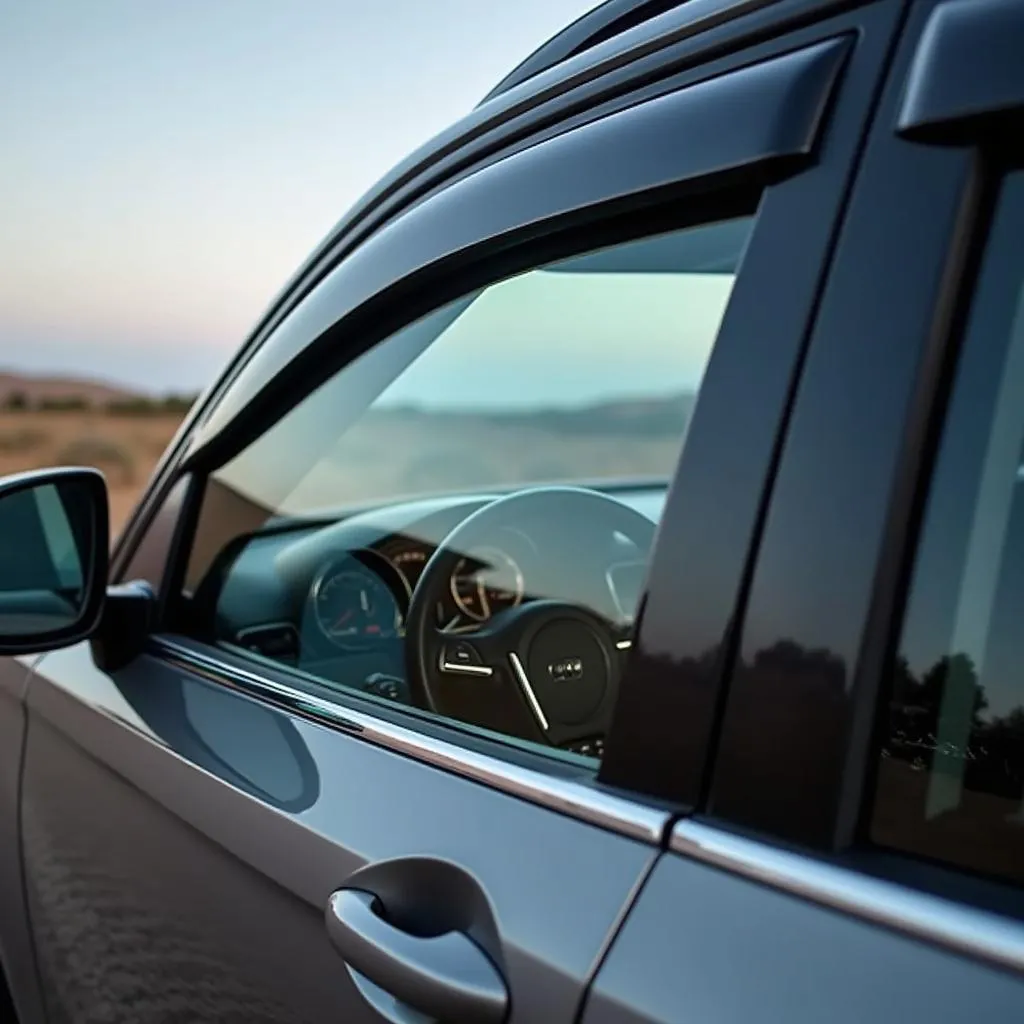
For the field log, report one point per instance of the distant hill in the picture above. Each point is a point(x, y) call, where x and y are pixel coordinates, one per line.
point(37, 389)
point(390, 452)
point(636, 417)
point(628, 417)
point(409, 451)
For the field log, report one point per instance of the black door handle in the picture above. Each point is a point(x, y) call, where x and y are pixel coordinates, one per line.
point(447, 976)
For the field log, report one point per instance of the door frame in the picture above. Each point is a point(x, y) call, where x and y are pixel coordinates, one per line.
point(800, 161)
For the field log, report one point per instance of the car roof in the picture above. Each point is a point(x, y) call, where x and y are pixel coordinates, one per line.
point(605, 21)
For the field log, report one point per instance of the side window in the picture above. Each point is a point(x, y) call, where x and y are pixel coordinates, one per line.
point(951, 777)
point(460, 519)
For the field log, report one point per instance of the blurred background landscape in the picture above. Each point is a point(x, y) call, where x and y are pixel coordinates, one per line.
point(52, 421)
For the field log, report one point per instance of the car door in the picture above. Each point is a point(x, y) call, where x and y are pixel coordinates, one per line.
point(240, 823)
point(15, 946)
point(858, 856)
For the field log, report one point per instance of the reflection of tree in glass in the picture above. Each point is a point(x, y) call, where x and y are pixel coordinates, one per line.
point(994, 756)
point(825, 669)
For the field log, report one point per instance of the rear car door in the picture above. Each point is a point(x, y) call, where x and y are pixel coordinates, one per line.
point(200, 823)
point(859, 853)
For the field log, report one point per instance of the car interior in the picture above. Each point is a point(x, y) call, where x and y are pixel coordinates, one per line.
point(337, 599)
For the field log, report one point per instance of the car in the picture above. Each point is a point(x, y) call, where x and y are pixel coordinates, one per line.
point(593, 591)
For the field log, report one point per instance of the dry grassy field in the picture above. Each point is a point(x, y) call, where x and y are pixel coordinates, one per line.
point(385, 454)
point(124, 448)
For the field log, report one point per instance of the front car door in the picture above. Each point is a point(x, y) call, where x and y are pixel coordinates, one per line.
point(863, 820)
point(275, 811)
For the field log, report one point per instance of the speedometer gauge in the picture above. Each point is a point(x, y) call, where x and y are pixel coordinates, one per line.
point(354, 608)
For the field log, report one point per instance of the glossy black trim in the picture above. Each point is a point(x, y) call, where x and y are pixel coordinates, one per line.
point(648, 154)
point(611, 19)
point(796, 738)
point(969, 68)
point(123, 632)
point(663, 736)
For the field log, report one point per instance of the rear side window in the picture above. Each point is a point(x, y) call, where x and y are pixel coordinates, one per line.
point(951, 777)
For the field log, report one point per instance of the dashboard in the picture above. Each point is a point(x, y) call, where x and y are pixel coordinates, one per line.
point(331, 597)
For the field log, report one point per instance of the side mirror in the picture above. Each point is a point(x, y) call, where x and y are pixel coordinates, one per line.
point(54, 541)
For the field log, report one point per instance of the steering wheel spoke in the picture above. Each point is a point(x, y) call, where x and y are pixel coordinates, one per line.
point(464, 655)
point(522, 679)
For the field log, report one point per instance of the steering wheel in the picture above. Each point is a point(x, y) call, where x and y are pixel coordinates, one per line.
point(548, 669)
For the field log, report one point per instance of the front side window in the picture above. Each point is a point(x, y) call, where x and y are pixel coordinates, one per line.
point(460, 519)
point(951, 777)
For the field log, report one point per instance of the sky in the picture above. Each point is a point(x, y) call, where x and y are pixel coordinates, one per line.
point(167, 166)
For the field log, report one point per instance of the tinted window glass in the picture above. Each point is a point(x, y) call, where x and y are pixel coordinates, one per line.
point(951, 778)
point(582, 370)
point(313, 544)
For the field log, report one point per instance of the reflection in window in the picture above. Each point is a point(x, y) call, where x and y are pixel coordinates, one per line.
point(951, 779)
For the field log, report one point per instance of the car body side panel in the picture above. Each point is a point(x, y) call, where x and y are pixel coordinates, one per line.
point(16, 957)
point(707, 946)
point(206, 832)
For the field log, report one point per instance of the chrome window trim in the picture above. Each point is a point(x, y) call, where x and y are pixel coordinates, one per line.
point(958, 928)
point(566, 796)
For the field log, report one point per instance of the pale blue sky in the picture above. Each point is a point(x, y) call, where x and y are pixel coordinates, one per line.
point(168, 163)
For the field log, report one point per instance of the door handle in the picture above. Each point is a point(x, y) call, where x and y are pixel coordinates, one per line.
point(448, 977)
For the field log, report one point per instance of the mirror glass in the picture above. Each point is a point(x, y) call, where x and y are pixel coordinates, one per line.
point(48, 540)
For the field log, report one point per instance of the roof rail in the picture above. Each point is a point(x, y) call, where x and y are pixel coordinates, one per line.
point(605, 21)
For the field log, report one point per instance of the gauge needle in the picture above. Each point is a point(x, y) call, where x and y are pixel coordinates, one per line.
point(343, 618)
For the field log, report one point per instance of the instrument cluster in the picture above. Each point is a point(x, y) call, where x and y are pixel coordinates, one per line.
point(360, 598)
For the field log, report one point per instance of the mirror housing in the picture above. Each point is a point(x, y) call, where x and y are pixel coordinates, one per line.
point(54, 549)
